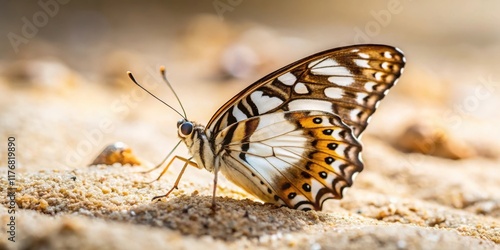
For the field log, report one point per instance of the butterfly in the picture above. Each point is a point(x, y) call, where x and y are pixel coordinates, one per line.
point(293, 137)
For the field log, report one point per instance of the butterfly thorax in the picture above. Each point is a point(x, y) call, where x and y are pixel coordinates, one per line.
point(195, 138)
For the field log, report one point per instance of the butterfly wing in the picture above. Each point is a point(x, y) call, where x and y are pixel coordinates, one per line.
point(348, 81)
point(291, 138)
point(295, 158)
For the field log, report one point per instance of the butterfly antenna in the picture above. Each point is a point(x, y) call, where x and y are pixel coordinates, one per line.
point(164, 75)
point(133, 79)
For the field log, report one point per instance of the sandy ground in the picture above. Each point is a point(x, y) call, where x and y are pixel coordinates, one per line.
point(431, 152)
point(402, 200)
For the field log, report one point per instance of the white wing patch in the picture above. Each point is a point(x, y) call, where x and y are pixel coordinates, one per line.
point(362, 63)
point(238, 114)
point(360, 97)
point(331, 71)
point(310, 104)
point(291, 139)
point(322, 63)
point(341, 80)
point(260, 149)
point(385, 65)
point(301, 88)
point(334, 93)
point(315, 187)
point(363, 55)
point(378, 76)
point(276, 122)
point(288, 79)
point(329, 67)
point(264, 103)
point(369, 86)
point(354, 114)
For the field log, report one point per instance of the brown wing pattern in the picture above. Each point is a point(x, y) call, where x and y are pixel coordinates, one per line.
point(348, 81)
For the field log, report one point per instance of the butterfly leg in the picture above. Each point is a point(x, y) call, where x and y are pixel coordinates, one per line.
point(163, 161)
point(186, 163)
point(216, 171)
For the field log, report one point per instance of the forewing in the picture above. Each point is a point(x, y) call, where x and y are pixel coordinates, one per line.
point(348, 81)
point(294, 158)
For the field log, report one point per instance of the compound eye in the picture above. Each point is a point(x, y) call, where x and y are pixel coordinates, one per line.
point(185, 129)
point(180, 122)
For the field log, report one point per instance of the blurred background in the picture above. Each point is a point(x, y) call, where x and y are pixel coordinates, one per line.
point(65, 94)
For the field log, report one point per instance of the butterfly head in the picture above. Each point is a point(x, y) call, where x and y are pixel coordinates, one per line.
point(184, 128)
point(190, 132)
point(193, 135)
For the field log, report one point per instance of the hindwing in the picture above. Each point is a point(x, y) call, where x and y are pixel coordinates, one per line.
point(293, 158)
